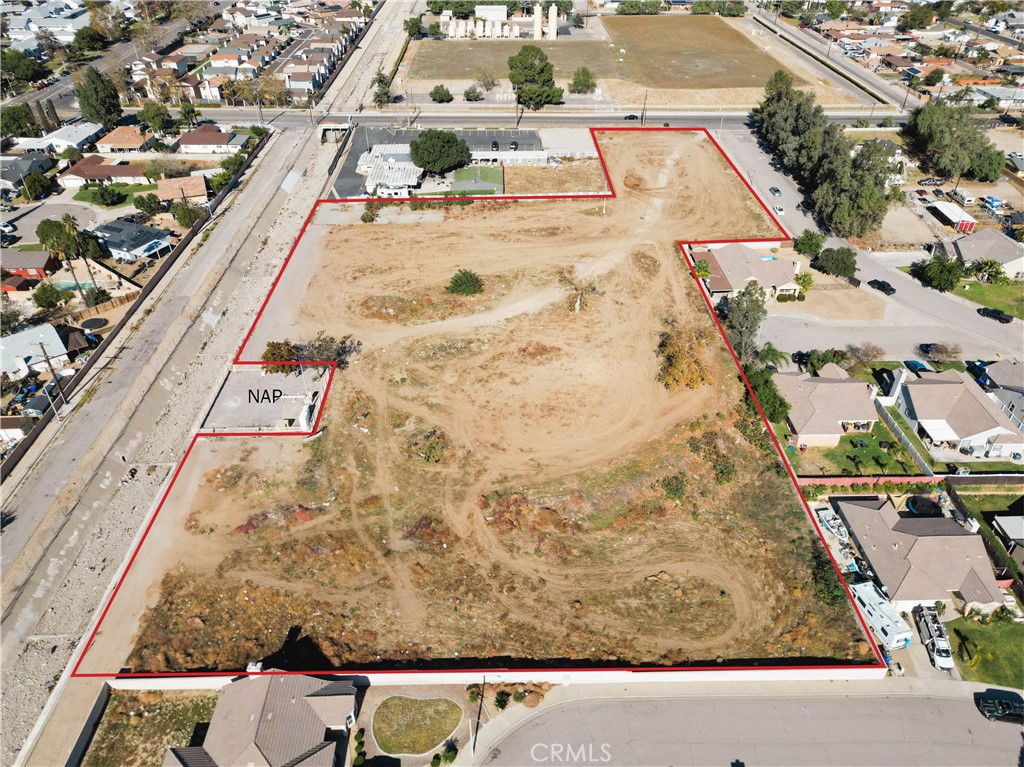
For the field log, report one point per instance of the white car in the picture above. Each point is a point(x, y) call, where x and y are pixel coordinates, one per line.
point(7, 228)
point(778, 210)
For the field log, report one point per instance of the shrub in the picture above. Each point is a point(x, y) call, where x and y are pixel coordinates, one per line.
point(519, 696)
point(107, 195)
point(472, 93)
point(435, 760)
point(94, 296)
point(185, 213)
point(826, 583)
point(801, 297)
point(148, 203)
point(474, 696)
point(501, 700)
point(675, 486)
point(368, 217)
point(465, 283)
point(439, 94)
point(809, 243)
point(841, 262)
point(48, 296)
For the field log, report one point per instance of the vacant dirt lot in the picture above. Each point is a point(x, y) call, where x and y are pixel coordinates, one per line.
point(576, 177)
point(490, 488)
point(674, 59)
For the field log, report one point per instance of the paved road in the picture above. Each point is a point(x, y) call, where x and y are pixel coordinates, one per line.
point(896, 94)
point(27, 217)
point(789, 731)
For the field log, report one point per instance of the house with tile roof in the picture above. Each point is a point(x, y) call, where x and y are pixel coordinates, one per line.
point(920, 560)
point(125, 138)
point(95, 169)
point(733, 266)
point(275, 720)
point(949, 410)
point(824, 407)
point(185, 189)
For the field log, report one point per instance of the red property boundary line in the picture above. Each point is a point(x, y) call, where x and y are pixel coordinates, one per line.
point(610, 194)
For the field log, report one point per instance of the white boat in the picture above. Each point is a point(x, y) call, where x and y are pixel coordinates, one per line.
point(835, 525)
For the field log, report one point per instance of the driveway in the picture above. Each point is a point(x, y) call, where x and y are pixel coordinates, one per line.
point(792, 731)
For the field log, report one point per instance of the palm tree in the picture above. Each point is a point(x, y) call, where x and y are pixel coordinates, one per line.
point(770, 356)
point(65, 250)
point(70, 224)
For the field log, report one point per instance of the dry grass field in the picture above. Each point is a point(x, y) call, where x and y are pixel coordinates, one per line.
point(492, 484)
point(676, 59)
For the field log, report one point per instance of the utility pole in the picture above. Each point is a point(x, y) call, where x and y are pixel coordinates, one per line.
point(53, 373)
point(643, 111)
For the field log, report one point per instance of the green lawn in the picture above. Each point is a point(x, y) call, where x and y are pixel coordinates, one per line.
point(982, 507)
point(486, 173)
point(996, 648)
point(129, 190)
point(852, 460)
point(901, 422)
point(32, 246)
point(1009, 298)
point(865, 370)
point(404, 725)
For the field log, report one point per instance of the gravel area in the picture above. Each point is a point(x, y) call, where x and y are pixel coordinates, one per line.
point(28, 678)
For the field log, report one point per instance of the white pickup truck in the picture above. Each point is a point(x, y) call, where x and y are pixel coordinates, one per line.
point(934, 637)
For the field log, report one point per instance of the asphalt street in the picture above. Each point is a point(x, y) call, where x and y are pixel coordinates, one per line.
point(791, 731)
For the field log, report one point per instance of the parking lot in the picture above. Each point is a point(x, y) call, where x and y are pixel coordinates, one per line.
point(350, 184)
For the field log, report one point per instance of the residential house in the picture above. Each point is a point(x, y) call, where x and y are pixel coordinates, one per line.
point(16, 284)
point(1007, 376)
point(949, 411)
point(920, 560)
point(14, 168)
point(125, 138)
point(1010, 530)
point(897, 63)
point(733, 266)
point(824, 407)
point(1015, 164)
point(1005, 98)
point(275, 720)
point(185, 189)
point(195, 53)
point(78, 135)
point(207, 138)
point(301, 81)
point(96, 169)
point(389, 166)
point(991, 244)
point(212, 88)
point(29, 264)
point(27, 351)
point(128, 242)
point(176, 63)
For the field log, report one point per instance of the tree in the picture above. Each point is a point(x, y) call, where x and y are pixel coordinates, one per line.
point(74, 235)
point(743, 321)
point(465, 283)
point(193, 11)
point(434, 30)
point(17, 120)
point(989, 270)
point(947, 138)
point(185, 213)
point(772, 402)
point(18, 66)
point(109, 196)
point(34, 186)
point(583, 81)
point(809, 243)
point(98, 98)
point(533, 78)
point(382, 95)
point(935, 76)
point(88, 39)
point(48, 296)
point(919, 16)
point(280, 352)
point(867, 352)
point(413, 26)
point(485, 78)
point(72, 154)
point(52, 47)
point(42, 119)
point(154, 116)
point(640, 7)
point(842, 262)
point(95, 296)
point(939, 272)
point(438, 151)
point(188, 114)
point(472, 93)
point(702, 268)
point(11, 314)
point(805, 280)
point(945, 352)
point(439, 94)
point(771, 356)
point(148, 203)
point(328, 349)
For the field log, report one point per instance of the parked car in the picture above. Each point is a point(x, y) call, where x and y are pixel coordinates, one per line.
point(778, 210)
point(927, 349)
point(5, 208)
point(631, 117)
point(1001, 709)
point(917, 367)
point(514, 146)
point(932, 181)
point(494, 146)
point(6, 240)
point(7, 228)
point(136, 218)
point(882, 286)
point(800, 358)
point(775, 192)
point(996, 314)
point(922, 192)
point(939, 193)
point(977, 369)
